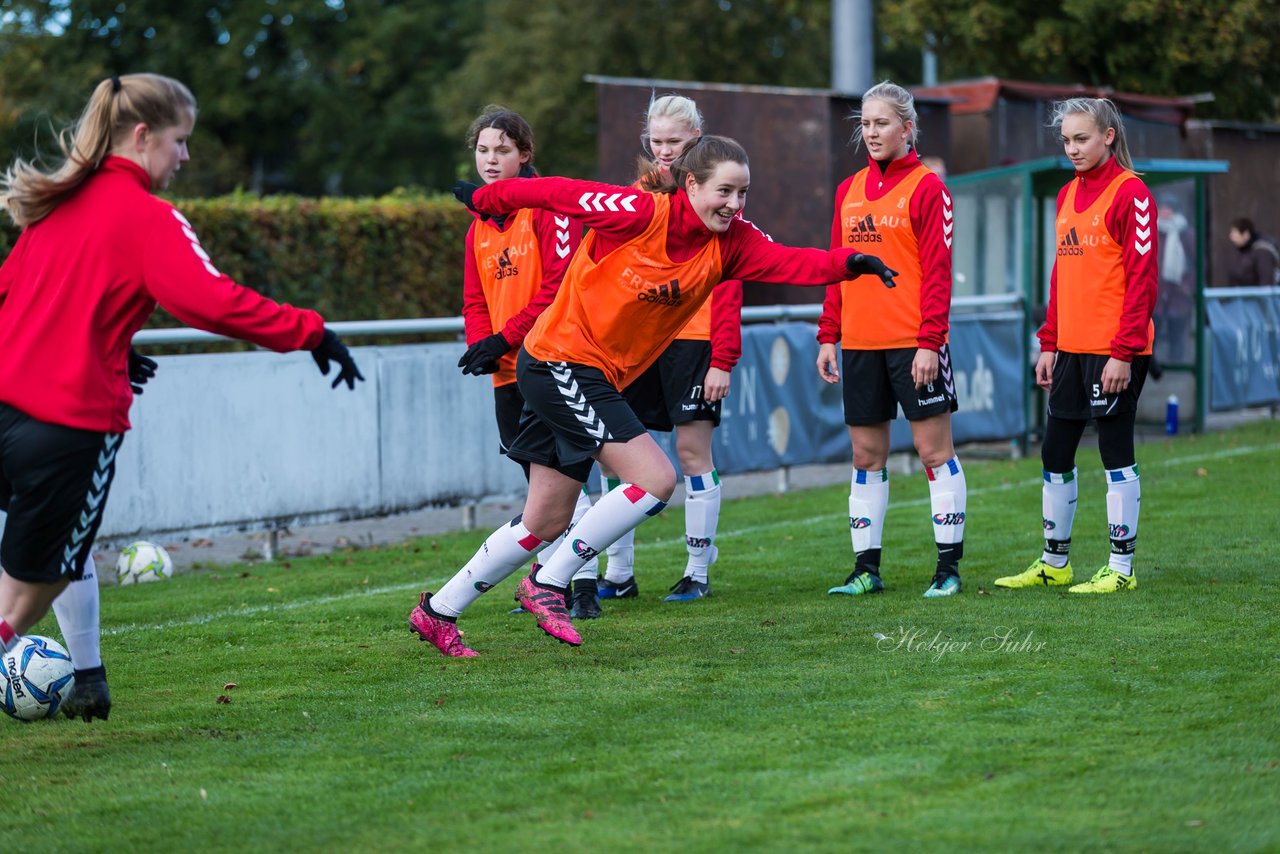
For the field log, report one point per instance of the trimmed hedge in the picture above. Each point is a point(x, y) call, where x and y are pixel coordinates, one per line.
point(350, 259)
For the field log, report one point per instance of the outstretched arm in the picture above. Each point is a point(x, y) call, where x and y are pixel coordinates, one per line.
point(620, 212)
point(751, 255)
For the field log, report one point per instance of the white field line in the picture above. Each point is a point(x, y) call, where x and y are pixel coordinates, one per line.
point(252, 610)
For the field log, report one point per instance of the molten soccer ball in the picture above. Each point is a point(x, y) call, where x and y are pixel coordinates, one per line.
point(36, 677)
point(143, 561)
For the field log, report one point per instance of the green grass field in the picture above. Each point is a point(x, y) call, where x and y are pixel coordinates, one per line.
point(768, 717)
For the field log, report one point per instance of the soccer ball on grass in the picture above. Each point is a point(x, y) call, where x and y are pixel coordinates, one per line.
point(35, 677)
point(141, 562)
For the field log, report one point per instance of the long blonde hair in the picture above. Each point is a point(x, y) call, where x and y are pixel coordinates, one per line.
point(118, 104)
point(1105, 114)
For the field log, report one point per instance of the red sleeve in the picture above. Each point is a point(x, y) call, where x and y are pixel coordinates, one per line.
point(8, 270)
point(475, 307)
point(179, 275)
point(726, 324)
point(1048, 333)
point(833, 305)
point(1131, 221)
point(932, 219)
point(749, 254)
point(832, 312)
point(620, 212)
point(558, 238)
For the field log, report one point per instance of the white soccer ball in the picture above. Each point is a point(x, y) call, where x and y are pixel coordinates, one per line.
point(143, 561)
point(37, 676)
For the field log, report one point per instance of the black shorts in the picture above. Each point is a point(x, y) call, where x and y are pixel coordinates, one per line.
point(508, 403)
point(876, 382)
point(670, 392)
point(570, 412)
point(53, 486)
point(1076, 392)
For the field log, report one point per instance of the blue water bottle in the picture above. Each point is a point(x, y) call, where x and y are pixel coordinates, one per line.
point(1171, 415)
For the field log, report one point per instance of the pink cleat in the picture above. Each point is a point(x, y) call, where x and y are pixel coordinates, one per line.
point(547, 605)
point(442, 633)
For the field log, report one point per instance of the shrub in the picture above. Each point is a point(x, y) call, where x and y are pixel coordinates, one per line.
point(350, 259)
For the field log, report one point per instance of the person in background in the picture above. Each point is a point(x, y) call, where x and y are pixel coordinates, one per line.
point(1176, 302)
point(892, 344)
point(683, 390)
point(511, 271)
point(1256, 260)
point(1096, 341)
point(98, 251)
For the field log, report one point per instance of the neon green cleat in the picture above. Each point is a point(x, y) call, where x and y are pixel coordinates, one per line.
point(1039, 574)
point(859, 584)
point(1107, 580)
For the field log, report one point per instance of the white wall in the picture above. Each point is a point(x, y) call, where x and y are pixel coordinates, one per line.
point(241, 441)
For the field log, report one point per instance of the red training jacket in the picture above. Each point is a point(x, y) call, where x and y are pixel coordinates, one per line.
point(80, 282)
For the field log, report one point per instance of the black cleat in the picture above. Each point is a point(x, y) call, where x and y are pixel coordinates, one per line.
point(586, 600)
point(89, 698)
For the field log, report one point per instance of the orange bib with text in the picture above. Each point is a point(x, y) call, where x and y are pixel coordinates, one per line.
point(876, 318)
point(1090, 272)
point(620, 313)
point(510, 265)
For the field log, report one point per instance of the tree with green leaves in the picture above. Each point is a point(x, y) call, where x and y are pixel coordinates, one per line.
point(1155, 47)
point(310, 96)
point(533, 57)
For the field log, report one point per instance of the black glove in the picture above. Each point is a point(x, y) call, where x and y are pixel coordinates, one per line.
point(141, 369)
point(482, 357)
point(464, 191)
point(331, 349)
point(870, 265)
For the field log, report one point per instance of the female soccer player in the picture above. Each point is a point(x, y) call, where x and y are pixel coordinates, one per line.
point(895, 342)
point(1096, 340)
point(512, 270)
point(650, 261)
point(683, 389)
point(97, 252)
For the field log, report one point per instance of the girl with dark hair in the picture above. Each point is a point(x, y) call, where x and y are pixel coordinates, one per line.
point(512, 269)
point(651, 259)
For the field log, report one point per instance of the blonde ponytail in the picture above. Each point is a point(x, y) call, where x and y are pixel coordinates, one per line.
point(117, 105)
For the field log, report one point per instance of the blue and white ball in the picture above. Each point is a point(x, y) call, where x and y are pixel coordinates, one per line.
point(37, 676)
point(141, 562)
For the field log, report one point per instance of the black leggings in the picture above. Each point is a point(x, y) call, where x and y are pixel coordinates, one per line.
point(1062, 437)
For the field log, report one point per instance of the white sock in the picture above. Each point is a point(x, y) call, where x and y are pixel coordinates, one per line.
point(591, 568)
point(503, 553)
point(1124, 499)
point(701, 517)
point(948, 499)
point(612, 516)
point(77, 611)
point(868, 503)
point(620, 564)
point(1058, 504)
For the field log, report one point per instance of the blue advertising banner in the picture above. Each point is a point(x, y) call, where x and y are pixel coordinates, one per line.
point(1244, 349)
point(779, 412)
